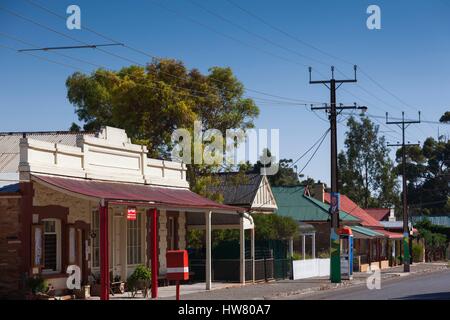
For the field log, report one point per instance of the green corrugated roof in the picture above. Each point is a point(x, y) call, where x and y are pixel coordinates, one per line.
point(292, 202)
point(366, 231)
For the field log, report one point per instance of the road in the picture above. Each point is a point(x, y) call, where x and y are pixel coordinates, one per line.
point(433, 286)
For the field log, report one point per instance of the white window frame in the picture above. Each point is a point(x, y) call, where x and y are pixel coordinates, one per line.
point(58, 245)
point(141, 224)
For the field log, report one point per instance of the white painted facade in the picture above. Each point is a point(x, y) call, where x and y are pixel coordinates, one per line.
point(110, 156)
point(264, 201)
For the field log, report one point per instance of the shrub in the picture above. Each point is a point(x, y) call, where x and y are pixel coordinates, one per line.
point(323, 254)
point(296, 256)
point(417, 252)
point(37, 285)
point(139, 280)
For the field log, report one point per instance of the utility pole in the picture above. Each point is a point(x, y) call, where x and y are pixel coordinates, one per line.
point(332, 109)
point(403, 125)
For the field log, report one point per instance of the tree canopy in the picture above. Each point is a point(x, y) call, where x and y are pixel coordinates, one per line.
point(366, 172)
point(151, 102)
point(427, 173)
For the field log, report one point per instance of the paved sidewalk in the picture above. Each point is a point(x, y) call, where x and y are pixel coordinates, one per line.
point(285, 288)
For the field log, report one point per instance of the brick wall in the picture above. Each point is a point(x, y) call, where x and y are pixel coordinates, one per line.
point(79, 209)
point(10, 245)
point(322, 236)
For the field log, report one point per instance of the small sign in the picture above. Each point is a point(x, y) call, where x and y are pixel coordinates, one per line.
point(131, 214)
point(335, 203)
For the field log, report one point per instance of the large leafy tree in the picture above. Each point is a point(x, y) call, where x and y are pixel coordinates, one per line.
point(150, 102)
point(365, 170)
point(427, 174)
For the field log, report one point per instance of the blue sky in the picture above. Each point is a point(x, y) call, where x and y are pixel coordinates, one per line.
point(408, 56)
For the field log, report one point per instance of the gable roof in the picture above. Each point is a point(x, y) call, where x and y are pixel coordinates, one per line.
point(10, 188)
point(378, 213)
point(237, 192)
point(352, 208)
point(292, 202)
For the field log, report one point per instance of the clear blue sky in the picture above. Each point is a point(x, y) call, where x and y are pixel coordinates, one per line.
point(408, 56)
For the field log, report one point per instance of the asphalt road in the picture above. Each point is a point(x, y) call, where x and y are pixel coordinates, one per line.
point(433, 286)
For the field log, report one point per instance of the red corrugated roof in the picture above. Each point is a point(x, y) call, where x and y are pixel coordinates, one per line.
point(390, 234)
point(112, 191)
point(378, 213)
point(348, 206)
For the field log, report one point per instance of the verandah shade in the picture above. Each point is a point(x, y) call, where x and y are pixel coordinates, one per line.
point(114, 191)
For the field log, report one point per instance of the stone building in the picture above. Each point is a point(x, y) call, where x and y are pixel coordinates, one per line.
point(92, 200)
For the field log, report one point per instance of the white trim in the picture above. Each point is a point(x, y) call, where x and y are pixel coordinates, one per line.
point(178, 270)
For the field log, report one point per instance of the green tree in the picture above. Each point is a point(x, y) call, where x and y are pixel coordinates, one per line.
point(445, 118)
point(151, 102)
point(365, 170)
point(427, 175)
point(274, 227)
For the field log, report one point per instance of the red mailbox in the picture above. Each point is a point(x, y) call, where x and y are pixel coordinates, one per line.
point(177, 265)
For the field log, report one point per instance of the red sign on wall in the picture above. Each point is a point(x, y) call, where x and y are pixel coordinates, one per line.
point(131, 214)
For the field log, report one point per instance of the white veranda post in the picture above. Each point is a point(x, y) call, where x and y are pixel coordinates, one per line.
point(208, 249)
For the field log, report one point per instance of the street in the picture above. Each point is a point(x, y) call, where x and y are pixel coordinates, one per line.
point(434, 286)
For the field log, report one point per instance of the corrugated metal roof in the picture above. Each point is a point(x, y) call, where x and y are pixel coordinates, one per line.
point(347, 205)
point(237, 190)
point(15, 187)
point(367, 232)
point(292, 202)
point(9, 145)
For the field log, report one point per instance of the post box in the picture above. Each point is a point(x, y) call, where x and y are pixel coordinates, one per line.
point(177, 265)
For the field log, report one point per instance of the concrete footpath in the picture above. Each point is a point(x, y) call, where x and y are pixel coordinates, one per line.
point(284, 289)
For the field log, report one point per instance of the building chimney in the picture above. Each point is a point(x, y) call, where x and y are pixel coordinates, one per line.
point(392, 214)
point(318, 191)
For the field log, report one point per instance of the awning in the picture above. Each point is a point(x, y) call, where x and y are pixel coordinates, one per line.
point(134, 193)
point(365, 233)
point(391, 235)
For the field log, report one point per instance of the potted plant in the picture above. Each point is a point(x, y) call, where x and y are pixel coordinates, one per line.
point(38, 286)
point(140, 279)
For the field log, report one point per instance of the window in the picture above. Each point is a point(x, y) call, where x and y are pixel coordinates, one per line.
point(96, 239)
point(134, 240)
point(52, 245)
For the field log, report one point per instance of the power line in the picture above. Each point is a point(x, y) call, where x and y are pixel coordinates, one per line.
point(293, 37)
point(256, 34)
point(56, 53)
point(287, 34)
point(34, 3)
point(320, 141)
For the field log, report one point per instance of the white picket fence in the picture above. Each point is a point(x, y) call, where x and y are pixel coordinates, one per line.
point(311, 268)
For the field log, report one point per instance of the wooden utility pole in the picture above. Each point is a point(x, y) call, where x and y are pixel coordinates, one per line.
point(332, 109)
point(406, 239)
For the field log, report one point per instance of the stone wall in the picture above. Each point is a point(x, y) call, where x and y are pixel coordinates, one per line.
point(79, 209)
point(10, 244)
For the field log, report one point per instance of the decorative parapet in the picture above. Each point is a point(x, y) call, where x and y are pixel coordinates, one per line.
point(108, 156)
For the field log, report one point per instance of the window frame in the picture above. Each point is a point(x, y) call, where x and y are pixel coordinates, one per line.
point(58, 233)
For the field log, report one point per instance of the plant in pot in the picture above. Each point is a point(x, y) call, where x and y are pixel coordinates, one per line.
point(38, 286)
point(140, 279)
